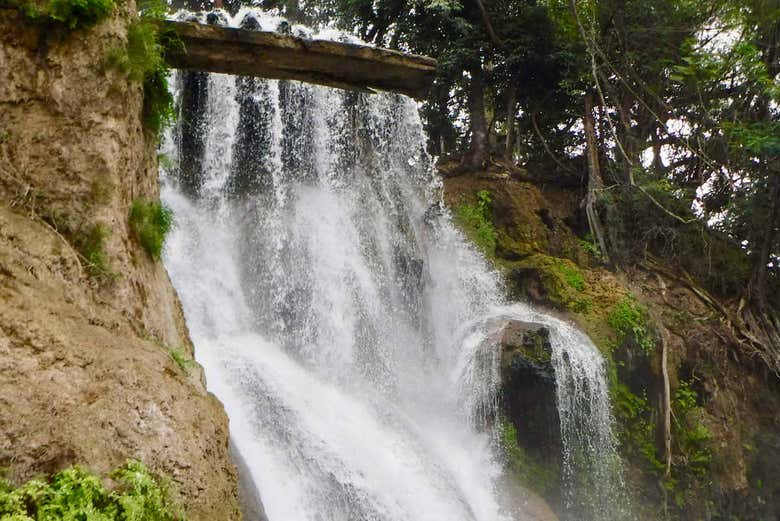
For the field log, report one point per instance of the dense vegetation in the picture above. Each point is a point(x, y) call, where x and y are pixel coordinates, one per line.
point(75, 494)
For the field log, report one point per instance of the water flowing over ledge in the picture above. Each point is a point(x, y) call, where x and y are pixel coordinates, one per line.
point(343, 321)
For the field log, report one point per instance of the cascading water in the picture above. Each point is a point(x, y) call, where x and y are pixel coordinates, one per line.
point(342, 320)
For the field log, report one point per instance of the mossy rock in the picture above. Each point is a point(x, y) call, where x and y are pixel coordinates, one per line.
point(531, 341)
point(550, 280)
point(529, 401)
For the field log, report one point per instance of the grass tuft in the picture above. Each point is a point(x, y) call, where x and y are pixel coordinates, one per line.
point(180, 358)
point(151, 222)
point(90, 243)
point(477, 219)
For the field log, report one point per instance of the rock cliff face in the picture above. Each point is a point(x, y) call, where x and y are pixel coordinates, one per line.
point(87, 319)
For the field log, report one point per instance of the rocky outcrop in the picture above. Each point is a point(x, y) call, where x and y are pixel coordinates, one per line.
point(648, 319)
point(87, 319)
point(529, 393)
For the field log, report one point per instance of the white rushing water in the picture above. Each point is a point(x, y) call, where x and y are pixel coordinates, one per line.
point(340, 317)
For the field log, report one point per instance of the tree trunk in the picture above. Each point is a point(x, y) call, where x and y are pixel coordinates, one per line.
point(758, 279)
point(595, 181)
point(478, 149)
point(511, 105)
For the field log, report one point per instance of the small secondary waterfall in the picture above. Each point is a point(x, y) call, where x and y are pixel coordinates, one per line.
point(342, 319)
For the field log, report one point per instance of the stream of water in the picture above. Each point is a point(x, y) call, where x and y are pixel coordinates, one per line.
point(342, 319)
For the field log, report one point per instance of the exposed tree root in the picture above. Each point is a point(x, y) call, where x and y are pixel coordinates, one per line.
point(757, 332)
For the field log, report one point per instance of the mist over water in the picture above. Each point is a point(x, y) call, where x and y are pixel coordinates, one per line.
point(344, 322)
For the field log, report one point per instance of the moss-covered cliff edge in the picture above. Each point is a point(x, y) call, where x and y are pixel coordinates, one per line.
point(94, 352)
point(648, 318)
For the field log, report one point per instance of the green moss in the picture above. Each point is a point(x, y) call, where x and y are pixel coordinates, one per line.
point(90, 243)
point(629, 318)
point(151, 222)
point(562, 280)
point(477, 221)
point(530, 471)
point(570, 274)
point(72, 14)
point(74, 494)
point(180, 358)
point(142, 59)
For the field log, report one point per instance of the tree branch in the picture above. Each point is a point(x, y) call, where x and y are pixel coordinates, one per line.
point(488, 25)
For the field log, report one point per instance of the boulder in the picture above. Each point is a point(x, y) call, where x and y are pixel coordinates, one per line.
point(528, 388)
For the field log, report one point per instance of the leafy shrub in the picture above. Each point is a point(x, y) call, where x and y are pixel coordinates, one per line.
point(158, 109)
point(73, 14)
point(628, 317)
point(74, 494)
point(151, 222)
point(79, 13)
point(588, 243)
point(692, 436)
point(142, 59)
point(478, 220)
point(636, 429)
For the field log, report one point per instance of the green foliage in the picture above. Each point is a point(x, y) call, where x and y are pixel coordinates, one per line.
point(158, 102)
point(166, 162)
point(530, 471)
point(79, 13)
point(178, 355)
point(72, 14)
point(630, 318)
point(690, 434)
point(90, 243)
point(76, 495)
point(588, 243)
point(761, 138)
point(477, 219)
point(151, 222)
point(635, 428)
point(142, 59)
point(142, 53)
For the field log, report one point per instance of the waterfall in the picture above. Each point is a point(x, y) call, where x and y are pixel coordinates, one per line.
point(341, 318)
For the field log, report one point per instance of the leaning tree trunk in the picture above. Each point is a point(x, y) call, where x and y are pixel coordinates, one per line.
point(595, 182)
point(478, 149)
point(758, 280)
point(759, 316)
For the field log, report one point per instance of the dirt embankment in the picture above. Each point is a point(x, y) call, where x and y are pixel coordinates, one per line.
point(86, 375)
